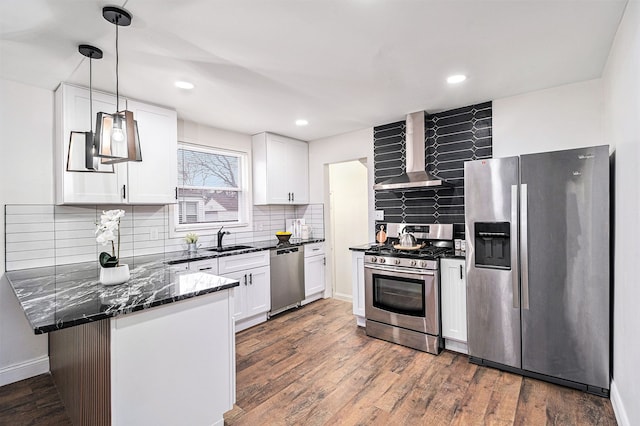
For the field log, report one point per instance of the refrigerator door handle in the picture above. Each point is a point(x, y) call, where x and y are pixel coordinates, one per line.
point(524, 251)
point(515, 279)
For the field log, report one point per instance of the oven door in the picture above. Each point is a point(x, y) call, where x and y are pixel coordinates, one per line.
point(402, 298)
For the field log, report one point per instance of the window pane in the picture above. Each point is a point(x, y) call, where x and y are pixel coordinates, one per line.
point(207, 205)
point(207, 169)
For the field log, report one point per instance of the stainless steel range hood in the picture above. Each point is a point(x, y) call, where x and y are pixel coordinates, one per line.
point(415, 176)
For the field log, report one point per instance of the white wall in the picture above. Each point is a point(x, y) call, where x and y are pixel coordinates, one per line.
point(26, 176)
point(336, 149)
point(349, 225)
point(621, 87)
point(199, 134)
point(563, 117)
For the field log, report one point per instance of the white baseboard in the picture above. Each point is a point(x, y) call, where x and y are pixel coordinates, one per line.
point(15, 373)
point(342, 296)
point(456, 346)
point(618, 407)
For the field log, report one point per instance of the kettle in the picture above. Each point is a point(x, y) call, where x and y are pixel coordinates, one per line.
point(407, 239)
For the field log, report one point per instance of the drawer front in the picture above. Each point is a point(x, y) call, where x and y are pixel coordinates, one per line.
point(241, 262)
point(313, 249)
point(209, 265)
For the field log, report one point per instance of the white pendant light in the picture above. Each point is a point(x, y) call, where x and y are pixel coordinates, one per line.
point(117, 133)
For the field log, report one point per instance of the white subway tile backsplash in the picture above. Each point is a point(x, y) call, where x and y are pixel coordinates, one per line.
point(18, 228)
point(46, 235)
point(11, 209)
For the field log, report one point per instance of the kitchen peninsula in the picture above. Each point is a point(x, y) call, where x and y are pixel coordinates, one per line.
point(159, 349)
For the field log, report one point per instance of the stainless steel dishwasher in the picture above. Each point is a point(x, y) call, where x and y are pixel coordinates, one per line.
point(287, 278)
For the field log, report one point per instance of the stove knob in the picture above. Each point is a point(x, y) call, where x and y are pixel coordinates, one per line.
point(374, 259)
point(397, 261)
point(382, 260)
point(413, 263)
point(423, 263)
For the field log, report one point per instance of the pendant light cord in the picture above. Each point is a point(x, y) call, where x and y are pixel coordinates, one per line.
point(91, 92)
point(117, 78)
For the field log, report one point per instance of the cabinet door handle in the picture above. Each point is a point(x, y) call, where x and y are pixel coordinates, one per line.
point(324, 261)
point(251, 278)
point(460, 271)
point(288, 193)
point(293, 196)
point(176, 192)
point(245, 279)
point(206, 269)
point(124, 192)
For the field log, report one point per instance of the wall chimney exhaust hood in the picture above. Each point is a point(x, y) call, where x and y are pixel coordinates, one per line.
point(415, 176)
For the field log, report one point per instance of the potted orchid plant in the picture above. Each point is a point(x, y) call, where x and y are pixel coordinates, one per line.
point(108, 231)
point(192, 240)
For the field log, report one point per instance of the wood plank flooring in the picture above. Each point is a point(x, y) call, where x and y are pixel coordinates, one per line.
point(34, 401)
point(314, 366)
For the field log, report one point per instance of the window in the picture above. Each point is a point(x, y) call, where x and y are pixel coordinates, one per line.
point(211, 189)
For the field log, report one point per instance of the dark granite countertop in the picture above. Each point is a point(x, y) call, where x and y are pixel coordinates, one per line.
point(64, 296)
point(457, 254)
point(364, 247)
point(205, 253)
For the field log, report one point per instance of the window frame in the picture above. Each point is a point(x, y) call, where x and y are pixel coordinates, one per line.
point(244, 223)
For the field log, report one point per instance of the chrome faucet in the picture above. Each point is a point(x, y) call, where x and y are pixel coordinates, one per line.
point(220, 235)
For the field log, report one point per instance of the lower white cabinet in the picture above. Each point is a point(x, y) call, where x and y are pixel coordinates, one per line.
point(209, 265)
point(252, 299)
point(314, 272)
point(453, 291)
point(357, 276)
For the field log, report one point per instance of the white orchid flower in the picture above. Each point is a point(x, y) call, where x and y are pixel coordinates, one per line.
point(109, 229)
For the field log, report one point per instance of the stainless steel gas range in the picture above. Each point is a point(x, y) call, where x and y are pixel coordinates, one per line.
point(402, 286)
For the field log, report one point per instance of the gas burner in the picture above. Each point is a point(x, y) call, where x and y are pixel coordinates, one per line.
point(427, 252)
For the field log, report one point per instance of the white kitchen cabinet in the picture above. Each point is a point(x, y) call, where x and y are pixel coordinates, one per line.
point(280, 170)
point(252, 299)
point(72, 114)
point(152, 181)
point(208, 265)
point(357, 277)
point(453, 290)
point(314, 272)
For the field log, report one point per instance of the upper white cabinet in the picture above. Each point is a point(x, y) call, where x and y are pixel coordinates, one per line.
point(280, 170)
point(454, 303)
point(152, 181)
point(72, 114)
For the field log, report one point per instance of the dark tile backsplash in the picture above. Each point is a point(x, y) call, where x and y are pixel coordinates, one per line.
point(451, 138)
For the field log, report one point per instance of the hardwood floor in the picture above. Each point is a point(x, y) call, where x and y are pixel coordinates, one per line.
point(313, 366)
point(34, 401)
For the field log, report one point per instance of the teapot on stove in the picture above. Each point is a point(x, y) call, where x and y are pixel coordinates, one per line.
point(407, 239)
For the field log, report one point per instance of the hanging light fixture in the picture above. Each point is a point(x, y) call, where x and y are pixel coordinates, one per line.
point(81, 156)
point(117, 133)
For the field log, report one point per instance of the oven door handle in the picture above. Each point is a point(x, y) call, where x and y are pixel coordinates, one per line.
point(399, 270)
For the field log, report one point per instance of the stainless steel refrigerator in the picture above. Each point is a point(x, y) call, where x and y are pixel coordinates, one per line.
point(537, 235)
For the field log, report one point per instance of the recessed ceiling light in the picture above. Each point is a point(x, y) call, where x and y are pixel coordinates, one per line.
point(301, 122)
point(184, 85)
point(458, 78)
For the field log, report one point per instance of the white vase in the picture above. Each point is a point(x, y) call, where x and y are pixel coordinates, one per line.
point(112, 276)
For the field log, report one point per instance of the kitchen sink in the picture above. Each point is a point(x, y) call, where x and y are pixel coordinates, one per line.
point(229, 248)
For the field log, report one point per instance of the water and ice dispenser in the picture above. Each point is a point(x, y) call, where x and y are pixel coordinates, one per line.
point(493, 245)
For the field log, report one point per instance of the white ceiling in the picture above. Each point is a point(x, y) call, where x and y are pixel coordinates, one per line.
point(341, 64)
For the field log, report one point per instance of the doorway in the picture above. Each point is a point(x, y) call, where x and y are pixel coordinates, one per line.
point(349, 221)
